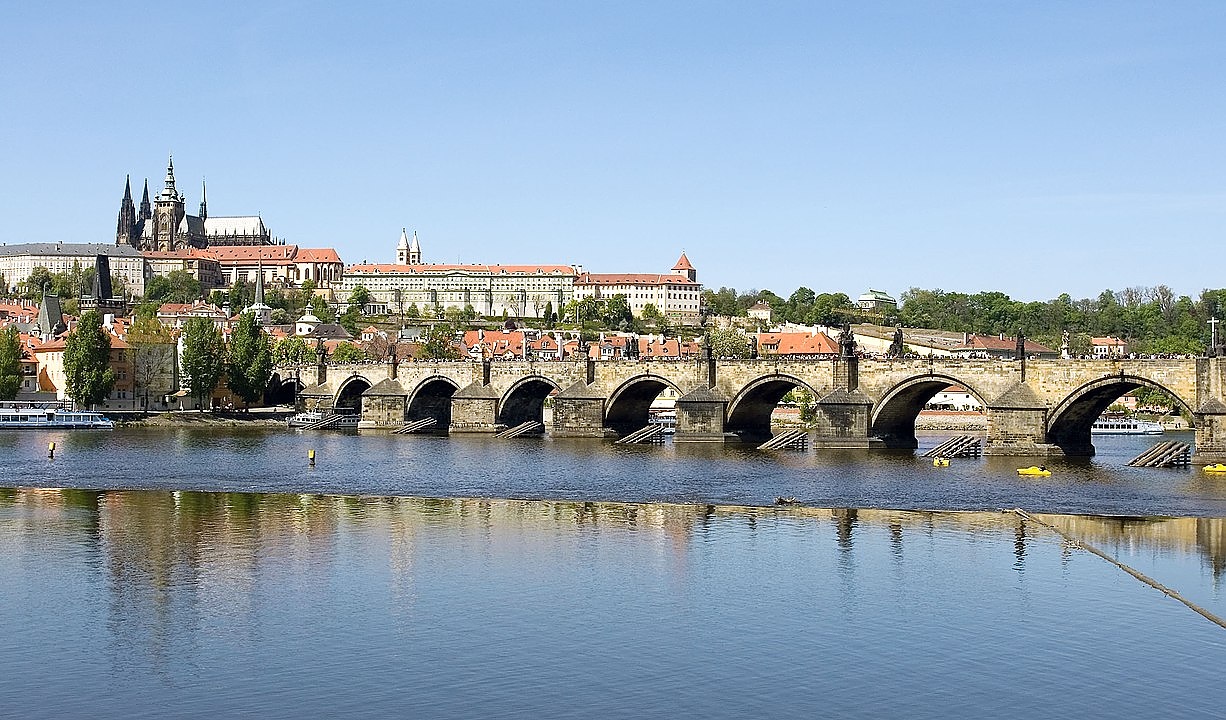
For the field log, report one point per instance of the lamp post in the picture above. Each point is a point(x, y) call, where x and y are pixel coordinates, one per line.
point(1213, 321)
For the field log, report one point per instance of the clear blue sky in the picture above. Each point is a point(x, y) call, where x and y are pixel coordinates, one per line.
point(1027, 147)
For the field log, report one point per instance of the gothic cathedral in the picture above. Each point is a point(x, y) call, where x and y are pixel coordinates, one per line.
point(165, 225)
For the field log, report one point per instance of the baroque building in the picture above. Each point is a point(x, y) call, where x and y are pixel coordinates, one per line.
point(677, 295)
point(518, 290)
point(165, 226)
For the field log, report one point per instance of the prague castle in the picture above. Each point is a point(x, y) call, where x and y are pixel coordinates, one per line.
point(164, 224)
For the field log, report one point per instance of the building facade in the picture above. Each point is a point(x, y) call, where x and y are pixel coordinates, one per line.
point(677, 295)
point(17, 262)
point(519, 290)
point(281, 265)
point(197, 263)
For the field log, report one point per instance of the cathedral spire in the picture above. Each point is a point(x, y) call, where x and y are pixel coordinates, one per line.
point(204, 203)
point(170, 178)
point(415, 251)
point(127, 215)
point(146, 210)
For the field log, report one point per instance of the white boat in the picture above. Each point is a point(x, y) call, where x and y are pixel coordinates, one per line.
point(49, 418)
point(315, 420)
point(1125, 426)
point(667, 419)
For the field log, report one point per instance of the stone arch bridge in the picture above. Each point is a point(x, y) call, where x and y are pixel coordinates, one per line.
point(1033, 407)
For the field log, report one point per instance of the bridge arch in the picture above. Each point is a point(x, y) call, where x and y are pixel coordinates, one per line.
point(749, 413)
point(894, 415)
point(349, 394)
point(282, 391)
point(1068, 423)
point(525, 400)
point(431, 398)
point(628, 407)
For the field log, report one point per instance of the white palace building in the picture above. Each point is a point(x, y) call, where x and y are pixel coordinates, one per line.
point(520, 290)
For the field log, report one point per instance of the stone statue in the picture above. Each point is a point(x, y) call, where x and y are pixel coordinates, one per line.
point(896, 350)
point(847, 342)
point(1021, 345)
point(1064, 345)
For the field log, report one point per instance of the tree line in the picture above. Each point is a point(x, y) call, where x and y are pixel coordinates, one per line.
point(245, 362)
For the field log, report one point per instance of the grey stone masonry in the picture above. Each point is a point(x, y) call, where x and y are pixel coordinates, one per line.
point(1047, 410)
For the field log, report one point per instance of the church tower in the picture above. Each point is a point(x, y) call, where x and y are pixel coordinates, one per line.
point(402, 249)
point(685, 269)
point(168, 213)
point(204, 201)
point(415, 251)
point(146, 210)
point(126, 227)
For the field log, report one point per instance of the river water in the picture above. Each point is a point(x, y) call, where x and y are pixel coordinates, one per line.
point(212, 573)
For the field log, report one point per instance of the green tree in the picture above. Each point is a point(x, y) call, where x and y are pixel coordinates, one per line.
point(320, 309)
point(617, 313)
point(10, 363)
point(652, 315)
point(438, 345)
point(242, 294)
point(729, 343)
point(38, 280)
point(292, 351)
point(176, 287)
point(249, 363)
point(87, 361)
point(360, 296)
point(351, 319)
point(204, 358)
point(348, 353)
point(153, 355)
point(722, 302)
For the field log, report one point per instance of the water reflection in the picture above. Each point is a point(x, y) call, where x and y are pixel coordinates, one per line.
point(298, 604)
point(165, 538)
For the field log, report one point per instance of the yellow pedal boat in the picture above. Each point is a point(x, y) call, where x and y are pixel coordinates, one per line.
point(940, 462)
point(1034, 470)
point(1215, 468)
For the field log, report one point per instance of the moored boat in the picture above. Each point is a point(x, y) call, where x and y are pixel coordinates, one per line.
point(1036, 470)
point(1119, 425)
point(316, 420)
point(31, 417)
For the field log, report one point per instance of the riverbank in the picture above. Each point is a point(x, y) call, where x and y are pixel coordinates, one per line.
point(265, 417)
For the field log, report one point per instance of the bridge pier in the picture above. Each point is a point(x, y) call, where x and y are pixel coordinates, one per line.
point(474, 409)
point(384, 406)
point(842, 420)
point(1017, 425)
point(578, 411)
point(1210, 414)
point(700, 416)
point(1210, 433)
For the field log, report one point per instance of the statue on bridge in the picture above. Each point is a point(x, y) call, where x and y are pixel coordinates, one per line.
point(896, 347)
point(1021, 345)
point(847, 342)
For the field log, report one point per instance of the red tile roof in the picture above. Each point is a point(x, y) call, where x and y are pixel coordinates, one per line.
point(322, 255)
point(683, 263)
point(800, 343)
point(482, 269)
point(633, 279)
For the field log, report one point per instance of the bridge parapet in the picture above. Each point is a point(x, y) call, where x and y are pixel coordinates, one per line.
point(1048, 410)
